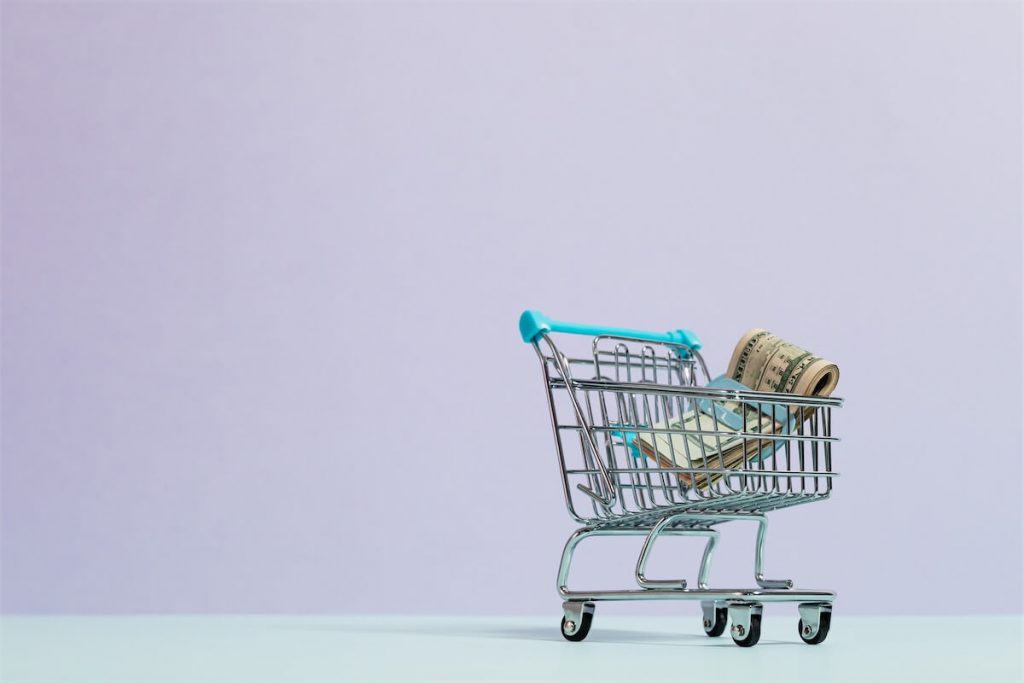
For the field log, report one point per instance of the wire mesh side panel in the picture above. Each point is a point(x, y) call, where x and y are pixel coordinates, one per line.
point(667, 444)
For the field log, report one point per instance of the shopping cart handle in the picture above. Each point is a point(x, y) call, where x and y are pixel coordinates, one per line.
point(533, 324)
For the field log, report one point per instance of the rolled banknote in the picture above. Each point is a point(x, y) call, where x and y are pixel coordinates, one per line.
point(765, 362)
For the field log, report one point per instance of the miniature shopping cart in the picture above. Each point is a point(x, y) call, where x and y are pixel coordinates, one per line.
point(641, 439)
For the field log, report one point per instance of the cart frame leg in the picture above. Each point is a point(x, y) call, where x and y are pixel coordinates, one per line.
point(652, 536)
point(666, 588)
point(762, 530)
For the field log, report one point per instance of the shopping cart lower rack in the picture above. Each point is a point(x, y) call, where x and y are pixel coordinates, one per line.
point(613, 408)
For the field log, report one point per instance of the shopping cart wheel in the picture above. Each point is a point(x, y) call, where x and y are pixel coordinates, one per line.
point(577, 632)
point(715, 619)
point(815, 618)
point(576, 619)
point(749, 636)
point(824, 621)
point(746, 623)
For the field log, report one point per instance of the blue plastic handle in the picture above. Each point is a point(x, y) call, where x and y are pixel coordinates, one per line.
point(533, 324)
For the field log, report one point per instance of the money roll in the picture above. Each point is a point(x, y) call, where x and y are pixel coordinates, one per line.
point(765, 362)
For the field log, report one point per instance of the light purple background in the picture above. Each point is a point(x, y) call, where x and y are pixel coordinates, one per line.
point(262, 266)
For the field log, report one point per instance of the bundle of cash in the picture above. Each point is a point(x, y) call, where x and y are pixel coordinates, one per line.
point(765, 362)
point(707, 445)
point(721, 435)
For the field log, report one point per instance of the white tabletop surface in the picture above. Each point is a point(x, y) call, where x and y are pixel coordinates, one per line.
point(619, 648)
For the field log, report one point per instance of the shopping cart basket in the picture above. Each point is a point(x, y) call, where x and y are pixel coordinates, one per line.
point(634, 461)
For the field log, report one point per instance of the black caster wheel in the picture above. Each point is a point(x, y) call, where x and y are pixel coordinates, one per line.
point(824, 621)
point(747, 637)
point(718, 627)
point(581, 631)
